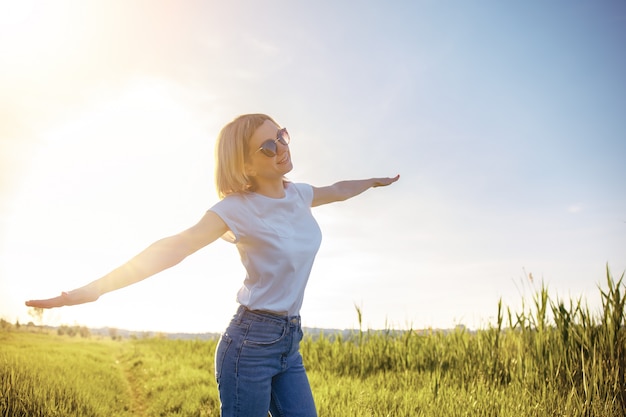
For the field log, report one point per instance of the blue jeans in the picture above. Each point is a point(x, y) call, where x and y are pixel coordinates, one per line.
point(258, 367)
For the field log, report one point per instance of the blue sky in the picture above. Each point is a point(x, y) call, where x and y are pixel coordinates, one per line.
point(505, 121)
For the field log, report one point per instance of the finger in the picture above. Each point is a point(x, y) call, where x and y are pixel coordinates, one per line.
point(47, 303)
point(37, 303)
point(383, 182)
point(392, 180)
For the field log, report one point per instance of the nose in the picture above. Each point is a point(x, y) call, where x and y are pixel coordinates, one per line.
point(281, 148)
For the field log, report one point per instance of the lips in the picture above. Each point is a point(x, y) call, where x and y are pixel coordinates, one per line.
point(284, 160)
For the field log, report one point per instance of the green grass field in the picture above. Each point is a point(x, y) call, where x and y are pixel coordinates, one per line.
point(554, 358)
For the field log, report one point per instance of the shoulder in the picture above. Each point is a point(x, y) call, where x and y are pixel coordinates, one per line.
point(304, 190)
point(230, 203)
point(234, 211)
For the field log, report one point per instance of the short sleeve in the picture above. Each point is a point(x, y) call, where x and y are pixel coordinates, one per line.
point(306, 192)
point(229, 209)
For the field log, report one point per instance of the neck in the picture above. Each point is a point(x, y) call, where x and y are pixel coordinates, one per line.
point(274, 189)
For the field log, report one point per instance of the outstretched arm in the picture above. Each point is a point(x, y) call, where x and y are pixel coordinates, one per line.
point(159, 256)
point(344, 190)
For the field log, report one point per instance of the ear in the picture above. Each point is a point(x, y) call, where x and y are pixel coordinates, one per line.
point(249, 170)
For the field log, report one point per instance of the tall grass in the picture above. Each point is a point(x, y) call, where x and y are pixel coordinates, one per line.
point(555, 355)
point(48, 376)
point(172, 377)
point(553, 358)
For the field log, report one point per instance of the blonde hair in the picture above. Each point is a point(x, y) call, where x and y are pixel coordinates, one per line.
point(231, 152)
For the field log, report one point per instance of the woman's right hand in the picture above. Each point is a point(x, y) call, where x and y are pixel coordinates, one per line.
point(79, 296)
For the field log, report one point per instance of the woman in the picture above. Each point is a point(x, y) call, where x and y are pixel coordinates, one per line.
point(258, 365)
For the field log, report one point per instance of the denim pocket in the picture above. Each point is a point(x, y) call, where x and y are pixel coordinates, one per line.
point(264, 333)
point(220, 354)
point(300, 334)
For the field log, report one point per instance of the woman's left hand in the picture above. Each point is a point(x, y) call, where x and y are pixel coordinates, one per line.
point(383, 182)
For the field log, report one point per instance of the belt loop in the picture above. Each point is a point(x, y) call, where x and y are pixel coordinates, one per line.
point(240, 312)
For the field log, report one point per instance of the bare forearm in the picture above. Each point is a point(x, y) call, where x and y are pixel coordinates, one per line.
point(351, 188)
point(159, 256)
point(344, 190)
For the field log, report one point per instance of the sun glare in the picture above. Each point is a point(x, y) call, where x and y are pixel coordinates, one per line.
point(132, 167)
point(14, 13)
point(35, 33)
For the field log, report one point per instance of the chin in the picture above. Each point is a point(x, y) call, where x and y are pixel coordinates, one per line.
point(288, 167)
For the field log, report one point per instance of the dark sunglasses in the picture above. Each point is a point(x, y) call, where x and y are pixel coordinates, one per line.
point(269, 147)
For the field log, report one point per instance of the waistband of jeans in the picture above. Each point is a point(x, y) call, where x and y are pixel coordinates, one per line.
point(266, 314)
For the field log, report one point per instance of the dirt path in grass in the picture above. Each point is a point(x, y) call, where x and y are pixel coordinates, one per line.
point(137, 398)
point(138, 401)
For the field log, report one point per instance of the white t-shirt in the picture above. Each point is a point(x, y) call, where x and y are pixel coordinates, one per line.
point(277, 240)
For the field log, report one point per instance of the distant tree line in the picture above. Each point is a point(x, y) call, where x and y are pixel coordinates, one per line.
point(63, 330)
point(72, 331)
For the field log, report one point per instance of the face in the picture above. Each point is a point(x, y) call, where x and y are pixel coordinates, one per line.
point(260, 165)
